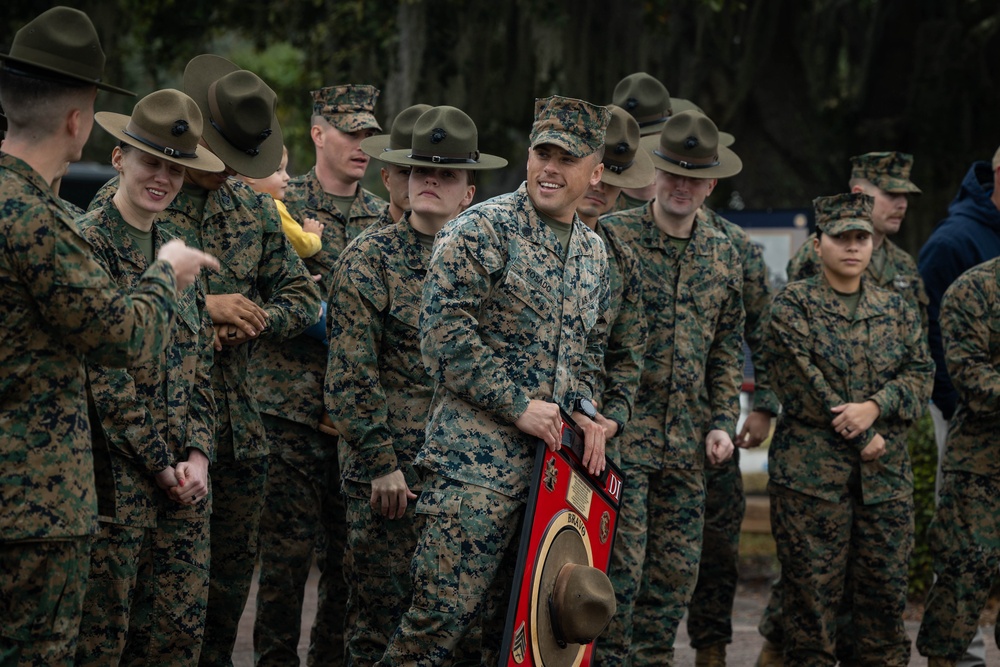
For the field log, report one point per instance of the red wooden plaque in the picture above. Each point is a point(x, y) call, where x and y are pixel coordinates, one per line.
point(564, 496)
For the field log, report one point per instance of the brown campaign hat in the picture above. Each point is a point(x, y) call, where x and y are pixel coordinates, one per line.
point(399, 135)
point(680, 104)
point(844, 212)
point(648, 100)
point(625, 164)
point(59, 44)
point(573, 602)
point(689, 146)
point(444, 137)
point(166, 124)
point(888, 170)
point(239, 110)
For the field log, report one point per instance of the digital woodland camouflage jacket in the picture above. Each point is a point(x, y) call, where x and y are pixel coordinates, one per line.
point(377, 389)
point(289, 374)
point(970, 326)
point(150, 413)
point(694, 311)
point(58, 305)
point(504, 320)
point(242, 229)
point(819, 357)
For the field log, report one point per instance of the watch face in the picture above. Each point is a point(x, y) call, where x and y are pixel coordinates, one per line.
point(586, 406)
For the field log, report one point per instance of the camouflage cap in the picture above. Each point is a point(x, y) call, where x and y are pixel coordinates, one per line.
point(574, 125)
point(888, 170)
point(648, 100)
point(840, 213)
point(348, 108)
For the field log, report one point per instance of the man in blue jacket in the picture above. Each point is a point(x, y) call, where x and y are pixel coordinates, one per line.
point(969, 235)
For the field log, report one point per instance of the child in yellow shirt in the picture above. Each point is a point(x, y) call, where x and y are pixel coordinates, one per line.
point(305, 238)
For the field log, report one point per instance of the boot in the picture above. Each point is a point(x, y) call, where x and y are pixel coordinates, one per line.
point(711, 656)
point(771, 655)
point(940, 662)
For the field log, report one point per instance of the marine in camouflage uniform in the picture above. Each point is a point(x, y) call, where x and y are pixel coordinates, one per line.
point(625, 165)
point(148, 589)
point(711, 607)
point(965, 535)
point(304, 511)
point(377, 390)
point(227, 219)
point(509, 328)
point(885, 176)
point(57, 306)
point(834, 499)
point(691, 288)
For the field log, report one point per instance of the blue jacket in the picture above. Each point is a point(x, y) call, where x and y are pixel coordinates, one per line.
point(969, 235)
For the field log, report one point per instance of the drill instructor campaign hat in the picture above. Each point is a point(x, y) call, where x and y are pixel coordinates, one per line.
point(689, 146)
point(679, 104)
point(444, 137)
point(646, 99)
point(399, 134)
point(625, 164)
point(166, 124)
point(241, 127)
point(572, 601)
point(60, 44)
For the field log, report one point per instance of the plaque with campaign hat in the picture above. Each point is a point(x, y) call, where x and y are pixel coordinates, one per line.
point(562, 598)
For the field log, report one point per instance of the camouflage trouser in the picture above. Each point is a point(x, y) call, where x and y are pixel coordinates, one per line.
point(816, 539)
point(237, 503)
point(377, 570)
point(654, 565)
point(326, 642)
point(291, 533)
point(42, 586)
point(965, 543)
point(461, 570)
point(148, 591)
point(710, 612)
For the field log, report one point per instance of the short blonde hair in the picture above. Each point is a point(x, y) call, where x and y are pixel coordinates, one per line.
point(996, 159)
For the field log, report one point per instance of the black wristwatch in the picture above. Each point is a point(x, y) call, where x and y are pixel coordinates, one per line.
point(586, 407)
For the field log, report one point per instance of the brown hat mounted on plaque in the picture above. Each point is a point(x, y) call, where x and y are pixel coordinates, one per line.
point(572, 601)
